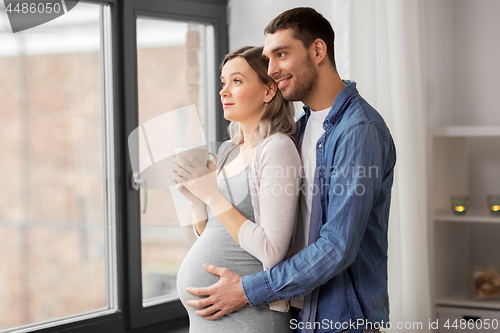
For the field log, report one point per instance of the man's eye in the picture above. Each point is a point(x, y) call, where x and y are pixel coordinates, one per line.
point(281, 54)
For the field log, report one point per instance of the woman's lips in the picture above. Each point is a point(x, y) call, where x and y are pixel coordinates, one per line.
point(226, 105)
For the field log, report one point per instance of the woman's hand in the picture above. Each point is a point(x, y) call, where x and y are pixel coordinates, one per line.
point(191, 174)
point(188, 194)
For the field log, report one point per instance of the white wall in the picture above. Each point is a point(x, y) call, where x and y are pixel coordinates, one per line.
point(437, 23)
point(477, 62)
point(462, 59)
point(248, 18)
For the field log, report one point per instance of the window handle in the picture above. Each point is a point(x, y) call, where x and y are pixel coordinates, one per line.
point(136, 184)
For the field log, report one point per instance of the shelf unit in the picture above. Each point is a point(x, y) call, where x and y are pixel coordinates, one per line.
point(464, 160)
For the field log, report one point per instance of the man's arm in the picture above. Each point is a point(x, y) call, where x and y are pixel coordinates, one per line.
point(339, 239)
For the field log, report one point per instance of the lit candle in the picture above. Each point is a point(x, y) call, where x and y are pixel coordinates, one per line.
point(459, 204)
point(494, 204)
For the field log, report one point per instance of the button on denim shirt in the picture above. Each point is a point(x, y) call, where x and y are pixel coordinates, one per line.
point(343, 271)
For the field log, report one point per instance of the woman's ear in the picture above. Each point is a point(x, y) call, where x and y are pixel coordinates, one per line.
point(270, 91)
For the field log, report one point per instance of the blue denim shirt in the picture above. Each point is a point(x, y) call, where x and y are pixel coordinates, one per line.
point(343, 271)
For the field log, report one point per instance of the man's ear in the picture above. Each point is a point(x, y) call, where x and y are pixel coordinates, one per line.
point(319, 50)
point(270, 91)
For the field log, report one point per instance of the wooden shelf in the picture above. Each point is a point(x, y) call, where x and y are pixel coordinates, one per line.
point(465, 131)
point(472, 216)
point(466, 301)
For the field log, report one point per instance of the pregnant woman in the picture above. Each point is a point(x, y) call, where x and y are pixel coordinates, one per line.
point(247, 207)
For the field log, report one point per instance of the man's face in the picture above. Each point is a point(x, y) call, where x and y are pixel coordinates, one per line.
point(290, 65)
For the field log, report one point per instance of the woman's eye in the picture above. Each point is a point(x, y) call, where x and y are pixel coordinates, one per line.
point(223, 84)
point(237, 81)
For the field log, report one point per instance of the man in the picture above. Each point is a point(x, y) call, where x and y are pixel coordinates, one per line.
point(348, 157)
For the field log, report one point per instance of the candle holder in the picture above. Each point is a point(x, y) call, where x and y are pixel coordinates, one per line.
point(459, 204)
point(494, 204)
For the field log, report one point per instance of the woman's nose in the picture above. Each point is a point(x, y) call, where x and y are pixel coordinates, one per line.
point(223, 92)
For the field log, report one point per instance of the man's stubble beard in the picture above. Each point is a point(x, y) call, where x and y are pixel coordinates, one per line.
point(307, 83)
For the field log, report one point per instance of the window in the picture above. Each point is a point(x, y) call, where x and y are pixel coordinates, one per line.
point(174, 82)
point(176, 51)
point(57, 213)
point(75, 247)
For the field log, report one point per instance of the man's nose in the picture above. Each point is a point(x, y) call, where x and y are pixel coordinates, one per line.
point(272, 69)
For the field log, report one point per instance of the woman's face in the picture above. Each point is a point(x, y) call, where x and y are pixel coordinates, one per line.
point(243, 95)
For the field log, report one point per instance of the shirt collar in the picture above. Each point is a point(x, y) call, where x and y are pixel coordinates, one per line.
point(341, 100)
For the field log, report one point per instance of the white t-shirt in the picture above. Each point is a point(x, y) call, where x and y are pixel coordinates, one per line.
point(314, 130)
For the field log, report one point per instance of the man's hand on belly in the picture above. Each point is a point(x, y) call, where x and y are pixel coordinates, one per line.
point(224, 297)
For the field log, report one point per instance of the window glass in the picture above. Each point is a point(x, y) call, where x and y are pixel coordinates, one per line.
point(174, 81)
point(55, 211)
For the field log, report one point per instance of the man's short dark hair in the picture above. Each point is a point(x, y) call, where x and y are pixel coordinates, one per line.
point(307, 25)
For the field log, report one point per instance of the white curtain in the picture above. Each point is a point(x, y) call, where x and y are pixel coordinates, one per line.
point(378, 44)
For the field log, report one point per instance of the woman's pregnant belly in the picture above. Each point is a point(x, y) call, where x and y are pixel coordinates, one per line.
point(216, 247)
